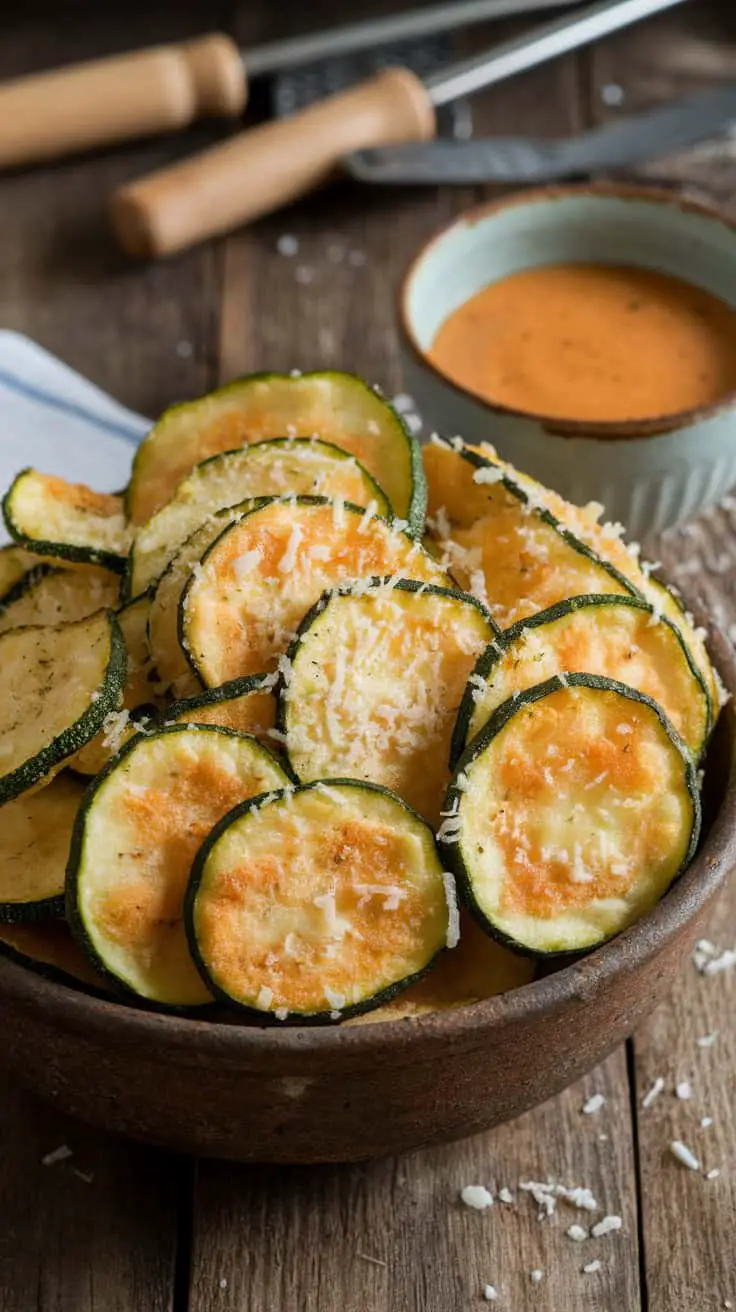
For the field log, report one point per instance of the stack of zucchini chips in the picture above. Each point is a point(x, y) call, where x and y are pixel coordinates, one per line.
point(311, 723)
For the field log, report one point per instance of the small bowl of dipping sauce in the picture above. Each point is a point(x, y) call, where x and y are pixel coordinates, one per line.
point(589, 334)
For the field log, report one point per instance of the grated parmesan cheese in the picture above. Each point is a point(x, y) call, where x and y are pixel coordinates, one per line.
point(707, 1040)
point(607, 1226)
point(265, 998)
point(490, 1294)
point(453, 911)
point(682, 1153)
point(477, 1197)
point(577, 1233)
point(590, 1268)
point(289, 558)
point(487, 475)
point(505, 1196)
point(593, 1104)
point(653, 1093)
point(60, 1154)
point(536, 1276)
point(713, 1174)
point(115, 726)
point(683, 1091)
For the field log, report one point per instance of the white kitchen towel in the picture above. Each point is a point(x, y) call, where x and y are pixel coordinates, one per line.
point(54, 419)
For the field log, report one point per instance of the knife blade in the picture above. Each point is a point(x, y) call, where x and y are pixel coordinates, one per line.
point(527, 159)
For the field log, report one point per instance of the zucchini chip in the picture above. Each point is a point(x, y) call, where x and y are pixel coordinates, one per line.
point(133, 844)
point(245, 705)
point(502, 544)
point(35, 831)
point(570, 814)
point(241, 607)
point(618, 637)
point(59, 685)
point(477, 968)
point(296, 466)
point(48, 949)
point(374, 686)
point(336, 407)
point(47, 595)
point(174, 671)
point(54, 518)
point(317, 903)
point(14, 563)
point(137, 695)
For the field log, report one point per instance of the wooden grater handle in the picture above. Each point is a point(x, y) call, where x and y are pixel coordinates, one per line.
point(136, 95)
point(256, 172)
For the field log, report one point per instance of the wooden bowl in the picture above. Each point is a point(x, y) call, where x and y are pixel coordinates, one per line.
point(343, 1094)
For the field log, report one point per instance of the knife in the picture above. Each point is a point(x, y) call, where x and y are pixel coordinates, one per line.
point(527, 159)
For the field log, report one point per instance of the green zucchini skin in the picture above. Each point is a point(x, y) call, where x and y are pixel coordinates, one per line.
point(236, 516)
point(76, 735)
point(452, 853)
point(24, 913)
point(72, 910)
point(213, 696)
point(55, 974)
point(495, 650)
point(344, 589)
point(320, 1018)
point(78, 555)
point(417, 509)
point(274, 445)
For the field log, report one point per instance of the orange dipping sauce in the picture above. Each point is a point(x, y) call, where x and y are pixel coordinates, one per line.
point(595, 342)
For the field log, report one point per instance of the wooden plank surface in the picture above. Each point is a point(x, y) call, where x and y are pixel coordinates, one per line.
point(389, 1236)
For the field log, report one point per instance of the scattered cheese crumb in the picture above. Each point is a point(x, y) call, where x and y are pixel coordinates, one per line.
point(590, 1268)
point(593, 1104)
point(536, 1276)
point(612, 94)
point(683, 1091)
point(59, 1154)
point(453, 912)
point(505, 1195)
point(265, 998)
point(706, 1122)
point(712, 1174)
point(403, 403)
point(490, 1294)
point(223, 1282)
point(477, 1197)
point(577, 1232)
point(653, 1093)
point(606, 1226)
point(707, 1040)
point(287, 245)
point(683, 1155)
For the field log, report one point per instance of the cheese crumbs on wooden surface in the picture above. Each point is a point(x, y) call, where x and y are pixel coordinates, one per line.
point(653, 1093)
point(683, 1154)
point(477, 1197)
point(607, 1226)
point(490, 1293)
point(593, 1104)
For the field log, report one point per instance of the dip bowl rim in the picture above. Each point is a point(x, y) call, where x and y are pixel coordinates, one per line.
point(597, 430)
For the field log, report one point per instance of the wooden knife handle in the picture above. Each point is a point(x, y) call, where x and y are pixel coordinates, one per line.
point(258, 171)
point(136, 95)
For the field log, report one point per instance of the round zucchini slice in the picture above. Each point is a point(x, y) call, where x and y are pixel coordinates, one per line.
point(240, 609)
point(48, 949)
point(293, 466)
point(477, 968)
point(317, 903)
point(501, 543)
point(47, 595)
point(174, 671)
point(35, 832)
point(245, 705)
point(59, 685)
point(137, 695)
point(618, 637)
point(374, 686)
point(14, 563)
point(51, 517)
point(133, 844)
point(333, 406)
point(570, 814)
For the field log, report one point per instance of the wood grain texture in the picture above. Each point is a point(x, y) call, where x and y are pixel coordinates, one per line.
point(107, 1243)
point(393, 1236)
point(97, 1231)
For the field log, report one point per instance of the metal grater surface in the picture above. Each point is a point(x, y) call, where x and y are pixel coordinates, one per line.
point(298, 88)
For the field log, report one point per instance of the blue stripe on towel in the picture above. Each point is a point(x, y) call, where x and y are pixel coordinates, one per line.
point(33, 393)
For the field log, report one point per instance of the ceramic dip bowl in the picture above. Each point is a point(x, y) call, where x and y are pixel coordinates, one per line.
point(648, 474)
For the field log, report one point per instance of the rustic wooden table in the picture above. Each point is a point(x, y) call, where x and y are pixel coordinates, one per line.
point(121, 1228)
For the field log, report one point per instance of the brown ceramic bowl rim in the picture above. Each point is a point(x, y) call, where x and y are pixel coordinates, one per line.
point(600, 430)
point(234, 1045)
